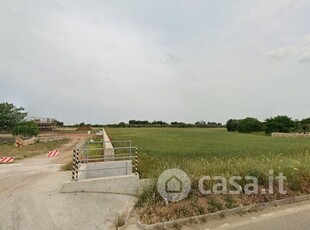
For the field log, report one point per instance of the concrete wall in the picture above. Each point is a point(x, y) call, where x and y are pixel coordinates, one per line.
point(127, 184)
point(294, 135)
point(108, 151)
point(125, 168)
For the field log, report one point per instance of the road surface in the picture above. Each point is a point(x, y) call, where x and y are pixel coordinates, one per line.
point(30, 197)
point(294, 216)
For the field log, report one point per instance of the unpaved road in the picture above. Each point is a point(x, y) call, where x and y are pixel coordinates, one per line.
point(30, 196)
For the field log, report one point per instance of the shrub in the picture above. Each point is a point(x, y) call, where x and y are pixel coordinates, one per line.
point(232, 125)
point(282, 124)
point(246, 125)
point(27, 128)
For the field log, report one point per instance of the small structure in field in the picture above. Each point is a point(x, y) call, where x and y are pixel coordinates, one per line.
point(294, 135)
point(45, 124)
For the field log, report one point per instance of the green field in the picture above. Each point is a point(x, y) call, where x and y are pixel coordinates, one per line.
point(214, 152)
point(201, 151)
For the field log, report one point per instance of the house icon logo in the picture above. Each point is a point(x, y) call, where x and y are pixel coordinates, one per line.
point(173, 185)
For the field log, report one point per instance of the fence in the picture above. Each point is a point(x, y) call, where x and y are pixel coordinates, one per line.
point(90, 160)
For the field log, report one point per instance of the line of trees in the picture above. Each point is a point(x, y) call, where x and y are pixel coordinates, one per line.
point(278, 123)
point(146, 123)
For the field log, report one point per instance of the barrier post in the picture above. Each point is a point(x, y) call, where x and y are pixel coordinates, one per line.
point(77, 164)
point(136, 161)
point(73, 164)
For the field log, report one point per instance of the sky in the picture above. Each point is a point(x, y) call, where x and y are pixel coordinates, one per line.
point(100, 61)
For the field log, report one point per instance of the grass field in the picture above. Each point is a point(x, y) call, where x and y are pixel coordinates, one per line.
point(212, 149)
point(214, 152)
point(30, 150)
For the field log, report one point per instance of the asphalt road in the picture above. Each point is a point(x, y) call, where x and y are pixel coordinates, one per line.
point(289, 217)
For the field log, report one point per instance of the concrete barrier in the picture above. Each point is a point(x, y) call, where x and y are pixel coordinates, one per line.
point(105, 169)
point(107, 145)
point(125, 184)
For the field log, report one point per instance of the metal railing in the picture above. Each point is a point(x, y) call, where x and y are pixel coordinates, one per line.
point(89, 153)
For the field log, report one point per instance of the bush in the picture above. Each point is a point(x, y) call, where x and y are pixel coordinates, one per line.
point(27, 128)
point(249, 124)
point(282, 124)
point(232, 125)
point(246, 125)
point(304, 125)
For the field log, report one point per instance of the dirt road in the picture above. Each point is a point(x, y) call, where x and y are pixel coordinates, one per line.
point(30, 196)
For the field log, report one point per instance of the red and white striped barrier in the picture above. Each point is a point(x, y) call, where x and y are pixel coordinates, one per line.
point(5, 160)
point(53, 153)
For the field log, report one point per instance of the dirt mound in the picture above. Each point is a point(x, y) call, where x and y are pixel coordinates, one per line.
point(84, 128)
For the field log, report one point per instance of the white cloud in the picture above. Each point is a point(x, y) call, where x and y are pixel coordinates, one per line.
point(300, 50)
point(305, 58)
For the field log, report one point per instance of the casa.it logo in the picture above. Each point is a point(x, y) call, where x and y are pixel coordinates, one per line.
point(173, 185)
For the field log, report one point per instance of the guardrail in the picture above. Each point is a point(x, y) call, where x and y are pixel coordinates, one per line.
point(88, 154)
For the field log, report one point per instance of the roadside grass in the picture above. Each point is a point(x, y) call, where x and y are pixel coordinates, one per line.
point(30, 150)
point(214, 152)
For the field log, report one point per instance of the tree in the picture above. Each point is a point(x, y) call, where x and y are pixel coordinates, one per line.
point(59, 123)
point(245, 125)
point(283, 124)
point(248, 125)
point(26, 128)
point(305, 125)
point(10, 116)
point(200, 124)
point(122, 124)
point(232, 125)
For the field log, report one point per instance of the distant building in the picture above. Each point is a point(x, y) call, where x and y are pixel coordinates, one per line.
point(45, 124)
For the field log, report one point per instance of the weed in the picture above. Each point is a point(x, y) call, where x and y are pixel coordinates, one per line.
point(214, 205)
point(177, 226)
point(119, 220)
point(229, 201)
point(148, 196)
point(203, 219)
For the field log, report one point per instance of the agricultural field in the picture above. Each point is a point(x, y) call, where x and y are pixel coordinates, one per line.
point(214, 152)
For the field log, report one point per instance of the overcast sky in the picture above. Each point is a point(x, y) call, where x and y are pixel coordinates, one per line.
point(111, 61)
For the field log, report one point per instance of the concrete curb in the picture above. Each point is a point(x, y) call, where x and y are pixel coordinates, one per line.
point(222, 213)
point(129, 214)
